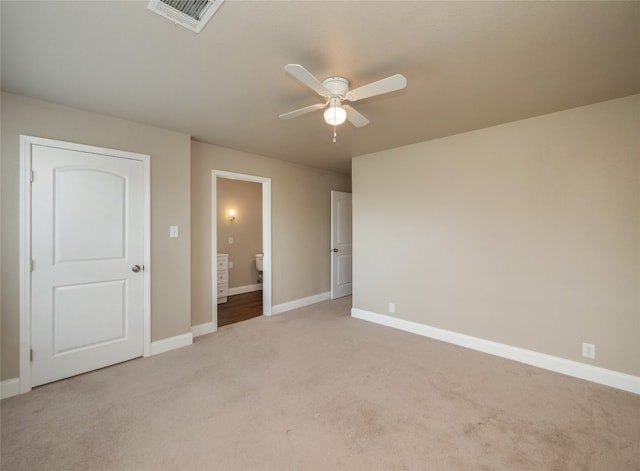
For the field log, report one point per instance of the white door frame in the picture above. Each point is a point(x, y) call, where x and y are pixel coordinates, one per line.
point(25, 243)
point(266, 239)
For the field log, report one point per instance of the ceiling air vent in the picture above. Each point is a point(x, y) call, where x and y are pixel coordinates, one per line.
point(192, 14)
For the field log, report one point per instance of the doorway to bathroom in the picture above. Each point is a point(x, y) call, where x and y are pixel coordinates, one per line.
point(241, 247)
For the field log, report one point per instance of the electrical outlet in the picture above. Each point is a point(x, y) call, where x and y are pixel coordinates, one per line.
point(230, 264)
point(589, 350)
point(230, 240)
point(392, 308)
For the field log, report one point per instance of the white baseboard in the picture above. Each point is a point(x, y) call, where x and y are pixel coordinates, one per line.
point(244, 289)
point(9, 387)
point(576, 369)
point(288, 306)
point(171, 343)
point(203, 329)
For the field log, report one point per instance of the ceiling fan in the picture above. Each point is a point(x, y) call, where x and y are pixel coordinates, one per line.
point(335, 91)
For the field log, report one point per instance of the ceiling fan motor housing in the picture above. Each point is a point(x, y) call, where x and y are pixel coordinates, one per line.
point(338, 86)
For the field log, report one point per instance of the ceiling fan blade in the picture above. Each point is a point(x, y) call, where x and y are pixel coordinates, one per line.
point(301, 111)
point(389, 84)
point(354, 117)
point(302, 74)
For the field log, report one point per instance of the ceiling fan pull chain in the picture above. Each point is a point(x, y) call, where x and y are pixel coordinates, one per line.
point(334, 134)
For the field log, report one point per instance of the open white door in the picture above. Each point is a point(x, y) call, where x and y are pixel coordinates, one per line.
point(341, 249)
point(88, 249)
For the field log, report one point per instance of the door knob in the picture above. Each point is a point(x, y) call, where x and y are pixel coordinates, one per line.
point(135, 268)
point(334, 250)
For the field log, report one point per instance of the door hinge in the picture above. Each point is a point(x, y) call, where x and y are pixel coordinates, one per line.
point(31, 354)
point(33, 265)
point(31, 176)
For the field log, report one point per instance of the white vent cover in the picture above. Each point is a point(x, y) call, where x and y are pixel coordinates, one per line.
point(192, 14)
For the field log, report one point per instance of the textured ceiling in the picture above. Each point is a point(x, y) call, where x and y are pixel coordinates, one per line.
point(469, 65)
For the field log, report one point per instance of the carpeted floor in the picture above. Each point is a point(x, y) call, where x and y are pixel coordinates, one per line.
point(314, 389)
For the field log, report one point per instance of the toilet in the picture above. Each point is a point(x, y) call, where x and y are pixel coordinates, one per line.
point(259, 257)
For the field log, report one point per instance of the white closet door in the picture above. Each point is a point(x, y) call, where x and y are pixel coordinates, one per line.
point(87, 240)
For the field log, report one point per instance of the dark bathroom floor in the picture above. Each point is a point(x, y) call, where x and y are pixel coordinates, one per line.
point(239, 308)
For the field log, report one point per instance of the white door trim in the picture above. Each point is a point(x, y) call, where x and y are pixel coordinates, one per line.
point(25, 243)
point(266, 239)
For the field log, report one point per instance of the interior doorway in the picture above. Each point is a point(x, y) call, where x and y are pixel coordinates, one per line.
point(238, 301)
point(239, 215)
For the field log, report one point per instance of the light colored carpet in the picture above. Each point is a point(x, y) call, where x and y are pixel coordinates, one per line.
point(314, 389)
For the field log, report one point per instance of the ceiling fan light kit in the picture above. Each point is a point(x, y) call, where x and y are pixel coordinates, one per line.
point(335, 115)
point(335, 90)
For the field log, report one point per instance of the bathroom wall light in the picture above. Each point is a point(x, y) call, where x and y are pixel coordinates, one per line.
point(232, 214)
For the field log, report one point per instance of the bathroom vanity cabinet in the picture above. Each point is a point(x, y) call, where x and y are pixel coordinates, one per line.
point(223, 277)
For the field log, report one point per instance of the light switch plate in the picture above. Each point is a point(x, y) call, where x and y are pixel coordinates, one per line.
point(173, 231)
point(230, 240)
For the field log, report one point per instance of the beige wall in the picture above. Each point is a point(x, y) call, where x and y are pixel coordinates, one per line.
point(246, 230)
point(170, 167)
point(525, 234)
point(300, 223)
